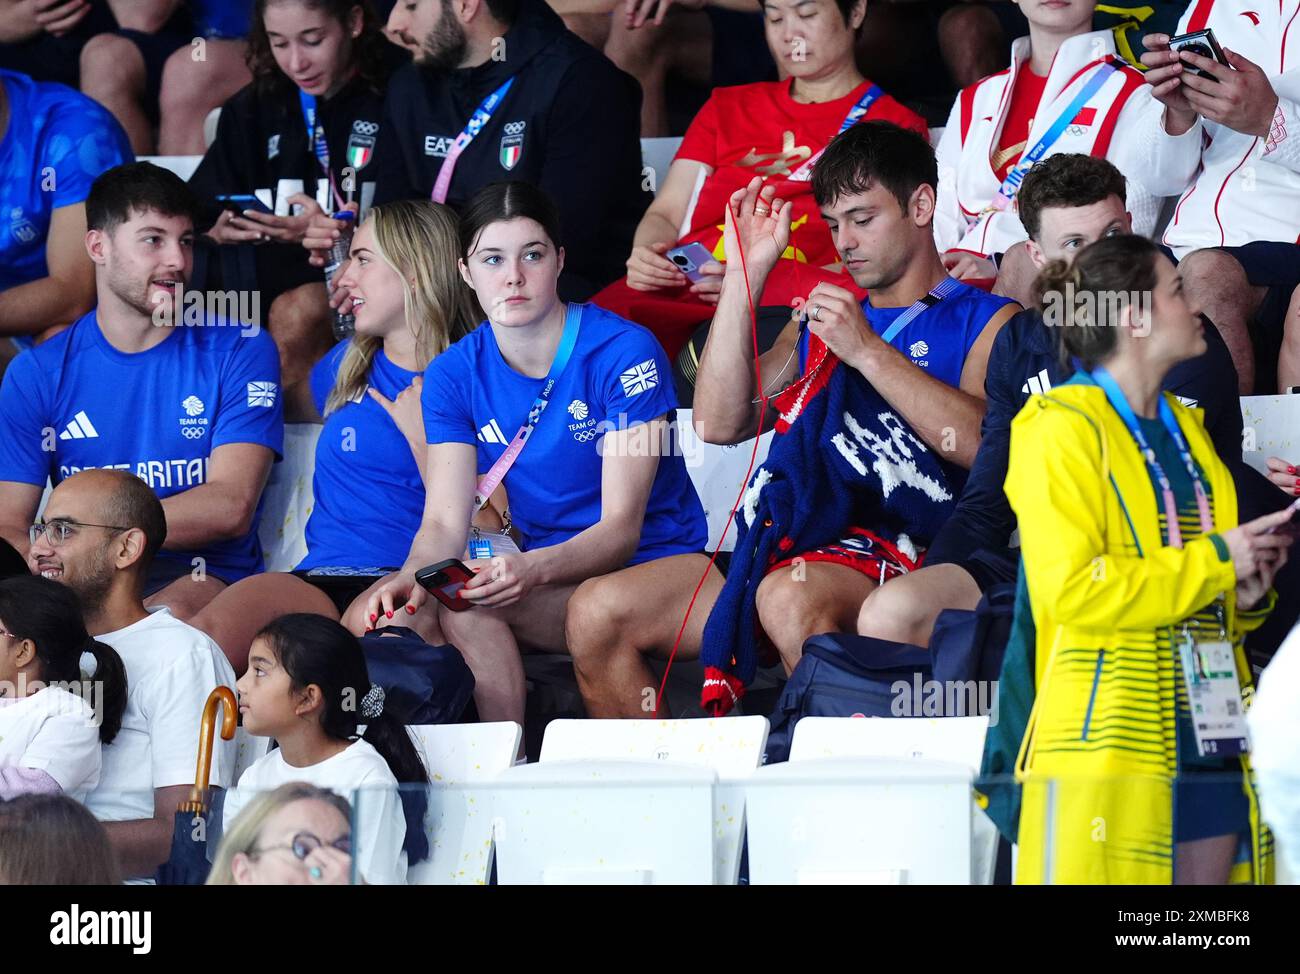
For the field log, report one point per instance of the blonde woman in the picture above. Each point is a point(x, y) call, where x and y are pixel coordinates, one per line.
point(296, 835)
point(410, 305)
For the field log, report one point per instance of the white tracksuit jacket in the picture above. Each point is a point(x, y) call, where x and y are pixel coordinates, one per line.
point(967, 183)
point(1235, 188)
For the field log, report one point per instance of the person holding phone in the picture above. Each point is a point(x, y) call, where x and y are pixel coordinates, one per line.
point(1142, 585)
point(771, 129)
point(309, 122)
point(1066, 90)
point(1236, 126)
point(370, 456)
point(598, 483)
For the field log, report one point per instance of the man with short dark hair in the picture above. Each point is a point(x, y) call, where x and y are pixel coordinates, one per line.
point(100, 532)
point(568, 122)
point(916, 349)
point(1066, 202)
point(193, 408)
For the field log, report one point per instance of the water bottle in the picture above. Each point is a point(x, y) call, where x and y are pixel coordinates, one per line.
point(344, 325)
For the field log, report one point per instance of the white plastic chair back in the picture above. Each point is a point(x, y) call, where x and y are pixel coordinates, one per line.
point(605, 823)
point(956, 739)
point(838, 821)
point(731, 746)
point(459, 757)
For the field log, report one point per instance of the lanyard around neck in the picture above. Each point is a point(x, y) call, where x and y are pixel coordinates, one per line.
point(1115, 396)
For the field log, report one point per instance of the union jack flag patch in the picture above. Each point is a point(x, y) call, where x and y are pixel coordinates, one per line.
point(639, 378)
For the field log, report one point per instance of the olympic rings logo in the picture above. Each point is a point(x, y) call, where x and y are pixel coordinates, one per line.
point(587, 435)
point(365, 128)
point(192, 432)
point(514, 128)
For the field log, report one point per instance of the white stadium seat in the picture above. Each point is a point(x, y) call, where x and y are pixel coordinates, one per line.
point(605, 822)
point(731, 746)
point(459, 758)
point(837, 821)
point(959, 740)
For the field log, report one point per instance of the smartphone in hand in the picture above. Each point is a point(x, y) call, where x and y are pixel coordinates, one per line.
point(237, 203)
point(1200, 42)
point(690, 259)
point(444, 581)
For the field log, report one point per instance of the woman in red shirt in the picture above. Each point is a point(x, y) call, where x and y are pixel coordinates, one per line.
point(772, 129)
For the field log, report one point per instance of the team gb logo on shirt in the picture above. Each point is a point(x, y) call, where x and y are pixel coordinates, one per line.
point(193, 425)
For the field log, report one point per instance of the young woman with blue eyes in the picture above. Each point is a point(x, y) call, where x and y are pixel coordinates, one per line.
point(594, 483)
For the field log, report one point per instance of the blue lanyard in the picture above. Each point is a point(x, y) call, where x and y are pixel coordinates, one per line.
point(861, 108)
point(316, 136)
point(940, 291)
point(1011, 185)
point(1117, 401)
point(482, 115)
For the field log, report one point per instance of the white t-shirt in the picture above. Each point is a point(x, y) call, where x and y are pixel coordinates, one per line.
point(171, 668)
point(380, 825)
point(53, 731)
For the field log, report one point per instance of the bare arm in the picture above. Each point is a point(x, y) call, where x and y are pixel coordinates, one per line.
point(627, 474)
point(66, 293)
point(142, 845)
point(663, 218)
point(18, 506)
point(631, 460)
point(223, 507)
point(725, 390)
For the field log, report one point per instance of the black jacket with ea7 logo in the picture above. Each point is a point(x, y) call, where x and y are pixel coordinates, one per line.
point(569, 124)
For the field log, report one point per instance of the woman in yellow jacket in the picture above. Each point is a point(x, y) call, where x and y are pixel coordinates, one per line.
point(1142, 586)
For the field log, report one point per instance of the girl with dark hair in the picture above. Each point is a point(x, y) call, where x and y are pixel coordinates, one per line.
point(52, 719)
point(1141, 587)
point(593, 477)
point(308, 688)
point(304, 131)
point(53, 840)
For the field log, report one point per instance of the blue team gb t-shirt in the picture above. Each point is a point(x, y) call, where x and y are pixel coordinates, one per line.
point(369, 496)
point(76, 403)
point(939, 338)
point(57, 142)
point(618, 377)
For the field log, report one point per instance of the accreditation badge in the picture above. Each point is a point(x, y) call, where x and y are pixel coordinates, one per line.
point(1213, 696)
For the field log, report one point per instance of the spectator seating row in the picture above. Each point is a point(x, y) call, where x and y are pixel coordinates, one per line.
point(674, 801)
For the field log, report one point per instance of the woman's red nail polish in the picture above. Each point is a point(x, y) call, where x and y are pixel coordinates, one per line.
point(373, 617)
point(389, 614)
point(410, 610)
point(1290, 469)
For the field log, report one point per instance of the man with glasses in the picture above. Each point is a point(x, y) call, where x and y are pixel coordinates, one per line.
point(187, 402)
point(100, 532)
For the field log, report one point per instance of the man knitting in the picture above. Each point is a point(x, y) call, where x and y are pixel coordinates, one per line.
point(872, 439)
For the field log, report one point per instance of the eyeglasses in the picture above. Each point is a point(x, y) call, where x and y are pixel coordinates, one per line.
point(305, 843)
point(58, 531)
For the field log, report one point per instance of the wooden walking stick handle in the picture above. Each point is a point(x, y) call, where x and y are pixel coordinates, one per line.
point(198, 802)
